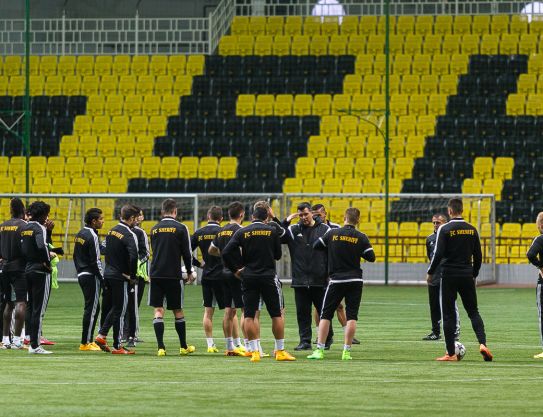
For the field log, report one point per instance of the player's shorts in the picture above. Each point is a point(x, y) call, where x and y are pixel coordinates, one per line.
point(233, 297)
point(269, 289)
point(213, 293)
point(14, 286)
point(336, 292)
point(170, 290)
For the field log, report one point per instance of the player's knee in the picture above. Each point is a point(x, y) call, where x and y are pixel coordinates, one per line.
point(340, 307)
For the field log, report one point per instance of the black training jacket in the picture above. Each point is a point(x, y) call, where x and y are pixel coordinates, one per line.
point(309, 266)
point(34, 248)
point(535, 254)
point(458, 250)
point(10, 245)
point(170, 242)
point(221, 240)
point(430, 249)
point(345, 247)
point(260, 246)
point(121, 253)
point(202, 239)
point(87, 253)
point(143, 243)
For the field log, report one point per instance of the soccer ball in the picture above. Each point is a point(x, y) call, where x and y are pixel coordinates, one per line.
point(459, 350)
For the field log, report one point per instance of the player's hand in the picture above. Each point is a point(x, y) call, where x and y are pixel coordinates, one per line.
point(428, 278)
point(52, 255)
point(238, 273)
point(191, 278)
point(292, 216)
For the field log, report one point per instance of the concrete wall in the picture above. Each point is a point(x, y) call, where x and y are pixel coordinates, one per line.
point(50, 9)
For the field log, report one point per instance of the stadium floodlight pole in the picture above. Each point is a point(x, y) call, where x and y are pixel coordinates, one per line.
point(26, 126)
point(387, 131)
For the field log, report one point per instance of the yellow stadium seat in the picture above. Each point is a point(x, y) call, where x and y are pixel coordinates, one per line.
point(462, 24)
point(111, 167)
point(195, 65)
point(121, 65)
point(528, 44)
point(169, 167)
point(503, 168)
point(274, 25)
point(312, 185)
point(305, 167)
point(102, 65)
point(344, 168)
point(240, 25)
point(293, 185)
point(321, 104)
point(281, 48)
point(451, 43)
point(318, 45)
point(84, 65)
point(424, 24)
point(227, 167)
point(312, 25)
point(176, 65)
point(48, 65)
point(421, 64)
point(257, 25)
point(95, 105)
point(139, 65)
point(264, 105)
point(208, 167)
point(518, 24)
point(349, 25)
point(263, 45)
point(405, 24)
point(120, 125)
point(89, 85)
point(534, 105)
point(302, 105)
point(332, 185)
point(283, 105)
point(489, 44)
point(158, 65)
point(189, 167)
point(300, 45)
point(516, 104)
point(12, 65)
point(338, 45)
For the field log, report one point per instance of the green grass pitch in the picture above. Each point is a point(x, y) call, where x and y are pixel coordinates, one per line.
point(393, 371)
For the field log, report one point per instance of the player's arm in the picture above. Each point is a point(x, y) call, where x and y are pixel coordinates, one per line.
point(366, 250)
point(477, 256)
point(194, 245)
point(43, 249)
point(438, 253)
point(534, 253)
point(214, 247)
point(186, 248)
point(428, 249)
point(131, 242)
point(93, 251)
point(231, 254)
point(322, 242)
point(276, 247)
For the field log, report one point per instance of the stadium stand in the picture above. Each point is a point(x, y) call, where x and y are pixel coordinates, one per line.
point(281, 107)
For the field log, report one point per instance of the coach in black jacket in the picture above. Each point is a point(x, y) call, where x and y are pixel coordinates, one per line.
point(121, 268)
point(88, 265)
point(309, 270)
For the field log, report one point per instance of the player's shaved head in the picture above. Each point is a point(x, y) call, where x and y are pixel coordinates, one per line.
point(539, 221)
point(456, 207)
point(214, 213)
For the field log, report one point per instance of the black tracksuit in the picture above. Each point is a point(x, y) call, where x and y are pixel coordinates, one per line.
point(458, 252)
point(309, 273)
point(212, 276)
point(38, 276)
point(135, 291)
point(88, 265)
point(232, 285)
point(121, 256)
point(260, 246)
point(535, 256)
point(345, 247)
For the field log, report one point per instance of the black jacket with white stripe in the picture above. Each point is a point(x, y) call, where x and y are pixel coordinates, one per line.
point(87, 251)
point(458, 250)
point(260, 246)
point(34, 248)
point(535, 254)
point(143, 243)
point(309, 266)
point(345, 247)
point(170, 242)
point(121, 253)
point(430, 249)
point(10, 245)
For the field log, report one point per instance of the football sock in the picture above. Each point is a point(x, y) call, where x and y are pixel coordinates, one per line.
point(16, 340)
point(253, 346)
point(246, 344)
point(5, 340)
point(320, 345)
point(229, 343)
point(210, 342)
point(279, 344)
point(181, 330)
point(158, 325)
point(346, 347)
point(237, 341)
point(259, 346)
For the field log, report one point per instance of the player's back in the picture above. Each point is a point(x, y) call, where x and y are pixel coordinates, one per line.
point(458, 242)
point(10, 245)
point(170, 241)
point(202, 239)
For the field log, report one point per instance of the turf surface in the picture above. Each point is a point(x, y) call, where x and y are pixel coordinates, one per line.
point(393, 371)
